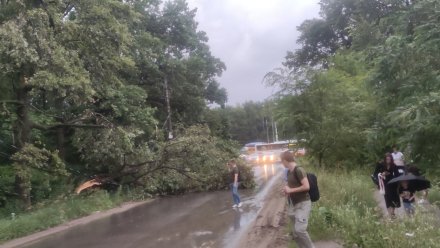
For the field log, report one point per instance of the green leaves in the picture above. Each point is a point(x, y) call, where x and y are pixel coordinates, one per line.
point(195, 161)
point(39, 158)
point(37, 167)
point(329, 109)
point(86, 78)
point(172, 48)
point(374, 82)
point(15, 50)
point(108, 151)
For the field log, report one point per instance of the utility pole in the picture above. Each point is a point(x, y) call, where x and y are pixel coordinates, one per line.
point(267, 130)
point(273, 130)
point(167, 101)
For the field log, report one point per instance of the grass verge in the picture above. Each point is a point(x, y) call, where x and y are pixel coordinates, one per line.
point(434, 195)
point(57, 212)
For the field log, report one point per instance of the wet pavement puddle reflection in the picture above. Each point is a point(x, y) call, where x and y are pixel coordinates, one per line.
point(193, 220)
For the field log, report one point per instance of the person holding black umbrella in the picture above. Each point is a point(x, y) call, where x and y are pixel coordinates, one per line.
point(409, 184)
point(386, 172)
point(413, 169)
point(408, 197)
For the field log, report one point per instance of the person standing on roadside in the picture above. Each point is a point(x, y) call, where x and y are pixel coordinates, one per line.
point(408, 197)
point(386, 172)
point(234, 177)
point(399, 160)
point(412, 169)
point(297, 189)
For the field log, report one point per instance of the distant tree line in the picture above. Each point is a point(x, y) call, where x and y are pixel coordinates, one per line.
point(244, 123)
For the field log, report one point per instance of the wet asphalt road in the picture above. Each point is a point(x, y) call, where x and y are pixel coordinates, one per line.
point(194, 220)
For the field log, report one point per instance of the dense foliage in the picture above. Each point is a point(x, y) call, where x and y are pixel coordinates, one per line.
point(95, 88)
point(366, 77)
point(247, 122)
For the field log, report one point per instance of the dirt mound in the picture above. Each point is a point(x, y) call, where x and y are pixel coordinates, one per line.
point(268, 229)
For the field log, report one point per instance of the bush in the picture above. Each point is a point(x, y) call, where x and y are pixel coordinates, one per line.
point(195, 161)
point(434, 195)
point(7, 178)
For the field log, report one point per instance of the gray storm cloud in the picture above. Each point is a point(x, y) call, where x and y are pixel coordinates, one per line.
point(252, 38)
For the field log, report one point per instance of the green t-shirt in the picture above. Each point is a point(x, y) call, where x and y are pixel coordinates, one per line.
point(294, 181)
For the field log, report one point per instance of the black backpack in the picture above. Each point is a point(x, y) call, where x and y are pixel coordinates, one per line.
point(313, 182)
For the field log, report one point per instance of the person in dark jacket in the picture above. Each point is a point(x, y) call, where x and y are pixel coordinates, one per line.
point(387, 171)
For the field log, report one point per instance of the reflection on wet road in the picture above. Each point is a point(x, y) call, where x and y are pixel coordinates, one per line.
point(194, 220)
point(271, 172)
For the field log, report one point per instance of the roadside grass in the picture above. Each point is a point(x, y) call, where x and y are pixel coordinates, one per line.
point(57, 212)
point(434, 195)
point(347, 212)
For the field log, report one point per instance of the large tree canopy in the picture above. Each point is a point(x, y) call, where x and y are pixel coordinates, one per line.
point(87, 86)
point(366, 77)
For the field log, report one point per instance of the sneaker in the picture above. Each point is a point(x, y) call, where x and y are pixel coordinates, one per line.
point(239, 205)
point(234, 206)
point(393, 217)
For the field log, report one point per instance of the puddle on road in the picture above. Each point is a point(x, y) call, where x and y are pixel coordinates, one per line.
point(194, 220)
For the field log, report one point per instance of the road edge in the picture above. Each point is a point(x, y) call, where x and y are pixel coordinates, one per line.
point(70, 224)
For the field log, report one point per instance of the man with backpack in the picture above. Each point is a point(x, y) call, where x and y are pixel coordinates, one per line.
point(297, 189)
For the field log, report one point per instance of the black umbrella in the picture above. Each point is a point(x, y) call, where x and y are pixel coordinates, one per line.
point(415, 182)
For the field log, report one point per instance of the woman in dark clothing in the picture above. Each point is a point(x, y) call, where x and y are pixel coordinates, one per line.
point(386, 172)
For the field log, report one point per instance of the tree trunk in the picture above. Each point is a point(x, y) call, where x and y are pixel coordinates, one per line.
point(22, 130)
point(320, 158)
point(22, 124)
point(23, 191)
point(60, 142)
point(61, 130)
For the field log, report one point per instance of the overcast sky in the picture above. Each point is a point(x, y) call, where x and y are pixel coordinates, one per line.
point(252, 38)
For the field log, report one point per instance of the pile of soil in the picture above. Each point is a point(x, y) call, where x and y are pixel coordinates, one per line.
point(270, 227)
